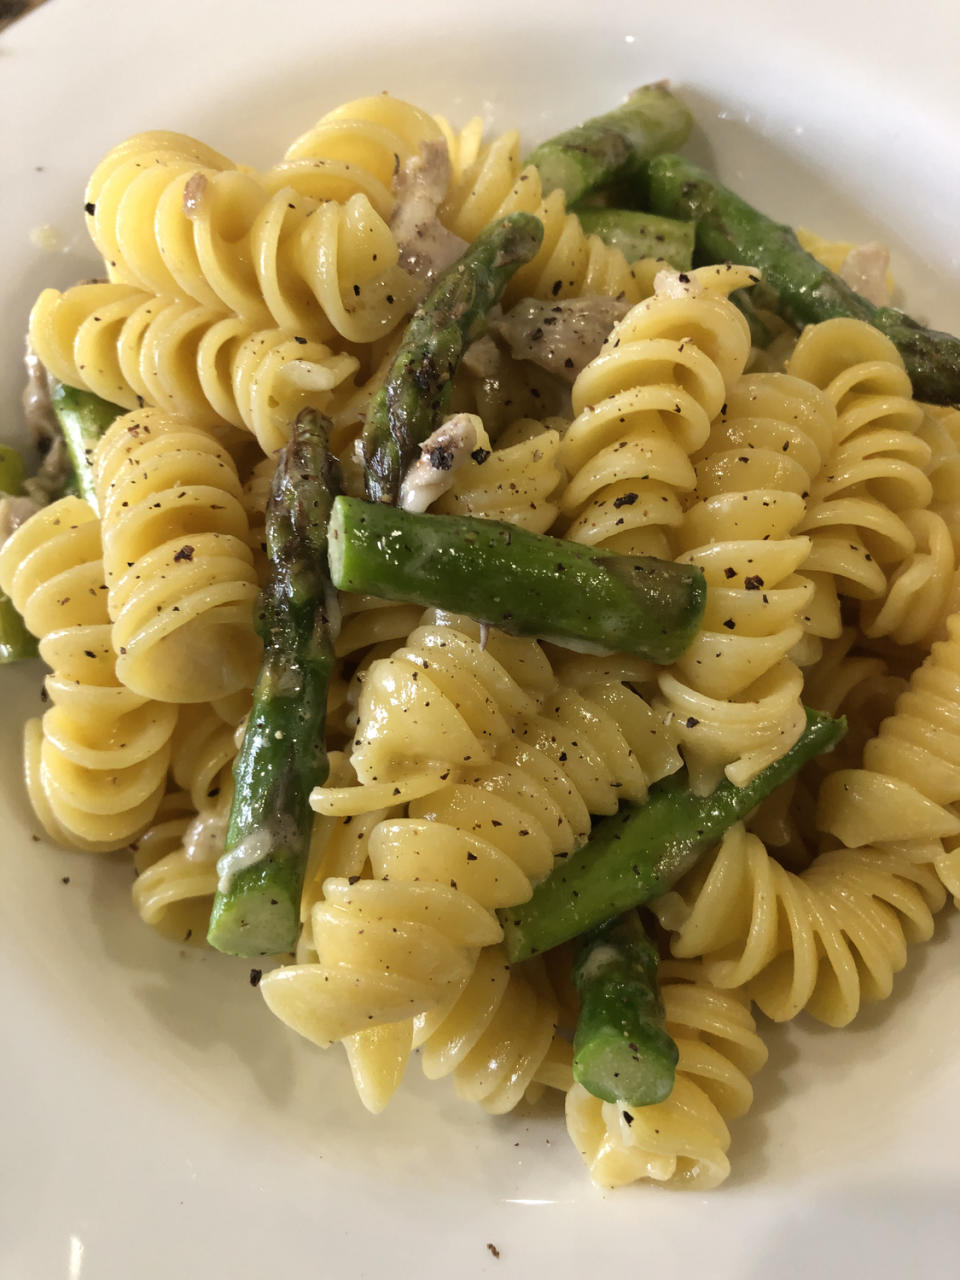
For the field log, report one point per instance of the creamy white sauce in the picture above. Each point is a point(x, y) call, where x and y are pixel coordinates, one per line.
point(599, 958)
point(670, 283)
point(248, 853)
point(442, 455)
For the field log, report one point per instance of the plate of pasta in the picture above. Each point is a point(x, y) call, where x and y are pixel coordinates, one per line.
point(480, 618)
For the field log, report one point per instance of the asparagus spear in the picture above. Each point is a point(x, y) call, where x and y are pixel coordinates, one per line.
point(640, 852)
point(642, 235)
point(415, 396)
point(83, 418)
point(524, 583)
point(256, 910)
point(612, 146)
point(622, 1051)
point(730, 230)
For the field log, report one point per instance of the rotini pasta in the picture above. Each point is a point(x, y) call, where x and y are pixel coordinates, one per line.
point(135, 348)
point(516, 482)
point(175, 219)
point(179, 570)
point(877, 472)
point(644, 407)
point(96, 763)
point(176, 857)
point(569, 263)
point(736, 692)
point(906, 793)
point(825, 941)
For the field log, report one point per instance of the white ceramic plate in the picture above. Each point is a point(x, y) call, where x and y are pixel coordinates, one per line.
point(155, 1120)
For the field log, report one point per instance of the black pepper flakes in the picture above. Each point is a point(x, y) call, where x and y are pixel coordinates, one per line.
point(255, 976)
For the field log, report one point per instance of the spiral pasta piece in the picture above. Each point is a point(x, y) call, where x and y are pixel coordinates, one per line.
point(569, 263)
point(941, 431)
point(376, 135)
point(493, 1037)
point(736, 691)
point(876, 474)
point(682, 1142)
point(135, 349)
point(96, 763)
point(861, 686)
point(179, 570)
point(826, 941)
point(908, 789)
point(302, 248)
point(643, 407)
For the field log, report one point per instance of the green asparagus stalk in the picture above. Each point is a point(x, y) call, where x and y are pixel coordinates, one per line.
point(730, 230)
point(642, 851)
point(612, 146)
point(256, 910)
point(622, 1051)
point(83, 418)
point(416, 394)
point(527, 584)
point(642, 235)
point(16, 642)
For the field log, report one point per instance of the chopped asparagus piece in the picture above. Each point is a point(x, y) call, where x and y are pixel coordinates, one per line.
point(622, 1051)
point(524, 583)
point(640, 852)
point(612, 146)
point(283, 756)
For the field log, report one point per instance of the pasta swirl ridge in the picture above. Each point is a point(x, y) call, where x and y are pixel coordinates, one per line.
point(96, 762)
point(177, 561)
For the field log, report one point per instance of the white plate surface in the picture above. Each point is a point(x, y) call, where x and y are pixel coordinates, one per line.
point(154, 1120)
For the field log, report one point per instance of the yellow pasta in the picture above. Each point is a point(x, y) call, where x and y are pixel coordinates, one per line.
point(134, 348)
point(176, 220)
point(179, 570)
point(736, 692)
point(96, 763)
point(643, 407)
point(824, 941)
